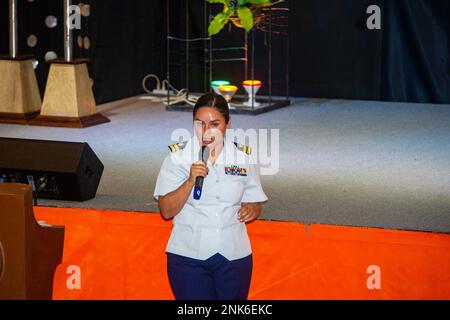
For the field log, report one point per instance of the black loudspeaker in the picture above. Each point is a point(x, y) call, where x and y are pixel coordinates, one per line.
point(55, 169)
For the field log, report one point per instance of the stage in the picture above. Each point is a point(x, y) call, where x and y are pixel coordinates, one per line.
point(345, 163)
point(351, 115)
point(120, 255)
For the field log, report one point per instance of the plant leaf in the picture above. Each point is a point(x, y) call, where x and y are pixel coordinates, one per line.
point(246, 17)
point(219, 21)
point(267, 4)
point(255, 2)
point(224, 2)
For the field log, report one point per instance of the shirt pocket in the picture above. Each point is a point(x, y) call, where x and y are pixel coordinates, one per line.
point(234, 188)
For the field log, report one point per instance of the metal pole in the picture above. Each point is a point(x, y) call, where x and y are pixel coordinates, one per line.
point(205, 43)
point(68, 44)
point(246, 56)
point(270, 56)
point(168, 50)
point(187, 49)
point(13, 34)
point(253, 66)
point(288, 55)
point(210, 50)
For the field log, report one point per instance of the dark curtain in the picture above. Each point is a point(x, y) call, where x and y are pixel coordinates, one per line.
point(416, 51)
point(332, 54)
point(188, 67)
point(128, 43)
point(3, 27)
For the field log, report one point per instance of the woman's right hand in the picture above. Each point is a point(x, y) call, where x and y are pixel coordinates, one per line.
point(172, 203)
point(198, 168)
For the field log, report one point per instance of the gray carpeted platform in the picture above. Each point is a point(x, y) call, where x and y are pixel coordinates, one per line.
point(356, 163)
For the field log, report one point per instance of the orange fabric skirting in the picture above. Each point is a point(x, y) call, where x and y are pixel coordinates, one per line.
point(120, 255)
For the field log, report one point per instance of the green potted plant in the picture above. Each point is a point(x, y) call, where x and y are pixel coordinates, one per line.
point(239, 12)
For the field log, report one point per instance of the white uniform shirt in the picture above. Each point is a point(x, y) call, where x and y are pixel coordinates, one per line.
point(210, 225)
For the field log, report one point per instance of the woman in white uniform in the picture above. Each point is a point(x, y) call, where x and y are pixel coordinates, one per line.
point(209, 254)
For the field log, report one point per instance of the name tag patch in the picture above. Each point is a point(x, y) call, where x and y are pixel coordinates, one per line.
point(235, 171)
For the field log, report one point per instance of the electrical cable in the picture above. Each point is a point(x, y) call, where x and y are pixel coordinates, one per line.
point(166, 93)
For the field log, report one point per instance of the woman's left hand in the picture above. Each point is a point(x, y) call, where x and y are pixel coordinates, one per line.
point(249, 212)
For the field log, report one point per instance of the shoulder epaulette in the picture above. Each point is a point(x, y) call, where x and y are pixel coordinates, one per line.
point(177, 146)
point(243, 148)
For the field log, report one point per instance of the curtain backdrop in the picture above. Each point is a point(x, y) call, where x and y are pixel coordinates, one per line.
point(332, 54)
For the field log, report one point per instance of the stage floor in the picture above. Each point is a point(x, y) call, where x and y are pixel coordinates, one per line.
point(352, 163)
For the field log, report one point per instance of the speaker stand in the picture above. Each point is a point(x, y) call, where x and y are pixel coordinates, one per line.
point(20, 100)
point(68, 99)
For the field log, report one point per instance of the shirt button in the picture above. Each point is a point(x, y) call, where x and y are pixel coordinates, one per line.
point(217, 198)
point(217, 181)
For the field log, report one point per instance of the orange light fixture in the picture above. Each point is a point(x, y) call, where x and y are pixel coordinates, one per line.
point(252, 87)
point(254, 83)
point(228, 91)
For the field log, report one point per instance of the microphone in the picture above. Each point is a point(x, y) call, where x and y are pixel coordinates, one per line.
point(204, 155)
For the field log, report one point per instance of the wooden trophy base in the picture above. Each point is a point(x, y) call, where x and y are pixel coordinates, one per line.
point(17, 118)
point(68, 100)
point(69, 122)
point(20, 100)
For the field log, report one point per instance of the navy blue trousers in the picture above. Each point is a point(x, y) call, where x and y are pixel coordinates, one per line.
point(216, 278)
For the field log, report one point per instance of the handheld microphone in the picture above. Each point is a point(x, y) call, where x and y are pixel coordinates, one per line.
point(204, 155)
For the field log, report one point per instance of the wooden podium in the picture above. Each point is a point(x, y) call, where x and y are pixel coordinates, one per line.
point(68, 99)
point(29, 253)
point(20, 100)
